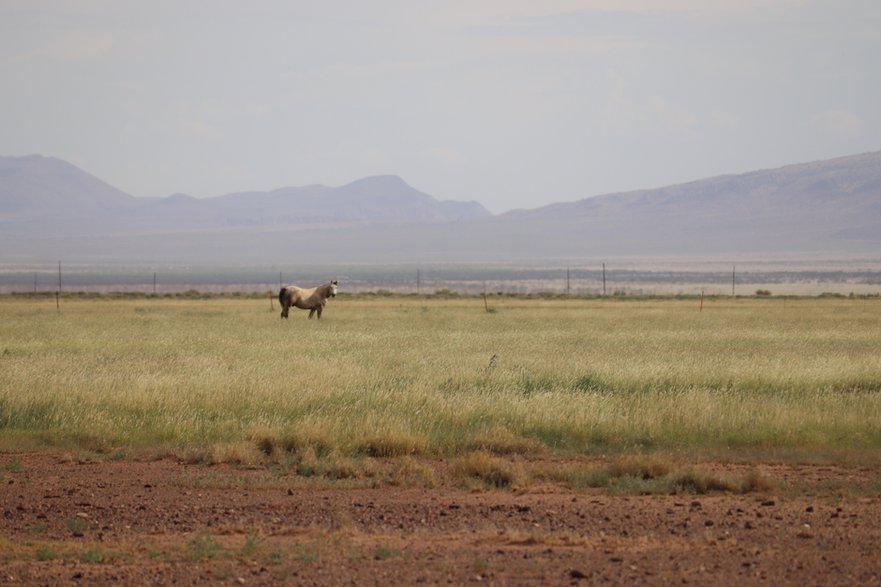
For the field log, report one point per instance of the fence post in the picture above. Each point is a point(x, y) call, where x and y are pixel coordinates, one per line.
point(58, 291)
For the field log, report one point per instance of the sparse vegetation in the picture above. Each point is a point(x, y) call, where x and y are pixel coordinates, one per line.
point(45, 554)
point(76, 526)
point(204, 547)
point(384, 552)
point(491, 471)
point(651, 474)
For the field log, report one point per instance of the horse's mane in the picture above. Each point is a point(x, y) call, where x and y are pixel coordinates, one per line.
point(324, 289)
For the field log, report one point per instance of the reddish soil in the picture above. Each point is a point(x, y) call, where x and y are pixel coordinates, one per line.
point(164, 522)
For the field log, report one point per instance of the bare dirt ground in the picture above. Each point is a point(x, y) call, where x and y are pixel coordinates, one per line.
point(166, 522)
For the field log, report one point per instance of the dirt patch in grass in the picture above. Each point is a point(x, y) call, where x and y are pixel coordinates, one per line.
point(407, 520)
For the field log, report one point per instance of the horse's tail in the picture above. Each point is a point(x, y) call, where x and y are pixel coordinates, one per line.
point(281, 293)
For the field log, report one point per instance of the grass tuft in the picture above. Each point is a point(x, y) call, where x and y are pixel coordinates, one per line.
point(692, 481)
point(488, 469)
point(644, 467)
point(390, 445)
point(235, 453)
point(203, 547)
point(756, 482)
point(409, 472)
point(499, 440)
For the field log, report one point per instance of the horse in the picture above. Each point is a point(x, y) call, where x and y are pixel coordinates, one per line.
point(312, 299)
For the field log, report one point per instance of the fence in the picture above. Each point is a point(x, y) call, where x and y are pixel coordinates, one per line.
point(635, 278)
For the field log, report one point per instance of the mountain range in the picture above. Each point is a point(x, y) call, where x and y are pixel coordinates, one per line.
point(50, 209)
point(47, 196)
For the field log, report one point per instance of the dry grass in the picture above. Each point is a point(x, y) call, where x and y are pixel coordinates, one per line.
point(487, 469)
point(648, 474)
point(409, 472)
point(396, 377)
point(641, 467)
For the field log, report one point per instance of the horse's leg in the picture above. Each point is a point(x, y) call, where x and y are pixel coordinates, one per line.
point(320, 308)
point(284, 310)
point(312, 311)
point(281, 297)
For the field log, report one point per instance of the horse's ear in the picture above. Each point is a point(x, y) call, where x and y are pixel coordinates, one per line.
point(334, 282)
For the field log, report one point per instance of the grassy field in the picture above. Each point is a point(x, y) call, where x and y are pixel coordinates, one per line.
point(227, 379)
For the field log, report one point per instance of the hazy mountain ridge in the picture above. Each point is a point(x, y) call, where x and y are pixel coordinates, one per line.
point(821, 208)
point(37, 184)
point(49, 197)
point(808, 206)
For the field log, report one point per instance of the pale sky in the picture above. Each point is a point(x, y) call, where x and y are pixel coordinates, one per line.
point(512, 103)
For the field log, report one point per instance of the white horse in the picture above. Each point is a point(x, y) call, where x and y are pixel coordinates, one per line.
point(312, 299)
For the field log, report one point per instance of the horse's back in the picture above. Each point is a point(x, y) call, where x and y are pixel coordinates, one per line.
point(300, 297)
point(289, 293)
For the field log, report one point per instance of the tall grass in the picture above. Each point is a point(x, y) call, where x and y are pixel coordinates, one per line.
point(392, 376)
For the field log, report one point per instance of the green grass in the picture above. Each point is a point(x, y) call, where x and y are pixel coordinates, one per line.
point(45, 554)
point(204, 547)
point(393, 376)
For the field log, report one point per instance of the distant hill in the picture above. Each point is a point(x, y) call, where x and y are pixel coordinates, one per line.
point(832, 205)
point(824, 208)
point(33, 186)
point(44, 196)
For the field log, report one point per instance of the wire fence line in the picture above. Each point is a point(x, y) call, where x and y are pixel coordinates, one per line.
point(633, 279)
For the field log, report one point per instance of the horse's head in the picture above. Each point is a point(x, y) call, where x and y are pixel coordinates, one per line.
point(333, 287)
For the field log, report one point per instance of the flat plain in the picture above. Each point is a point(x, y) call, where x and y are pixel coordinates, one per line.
point(521, 440)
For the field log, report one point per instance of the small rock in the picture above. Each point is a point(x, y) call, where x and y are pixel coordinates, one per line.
point(576, 574)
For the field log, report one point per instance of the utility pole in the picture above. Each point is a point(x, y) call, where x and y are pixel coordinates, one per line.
point(58, 291)
point(604, 280)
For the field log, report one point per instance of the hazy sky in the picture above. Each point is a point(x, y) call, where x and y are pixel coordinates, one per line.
point(512, 103)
